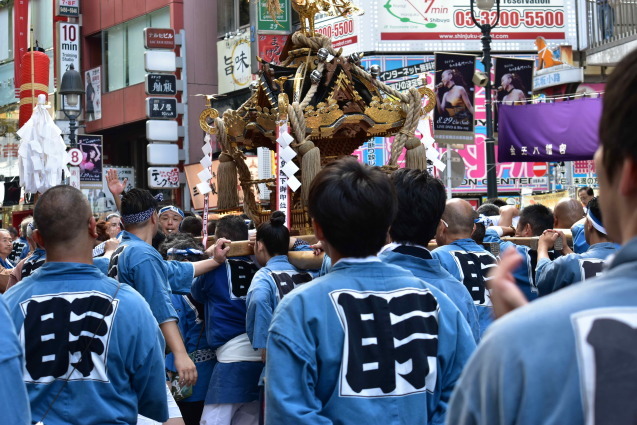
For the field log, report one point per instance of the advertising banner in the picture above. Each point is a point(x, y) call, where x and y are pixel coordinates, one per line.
point(513, 82)
point(265, 22)
point(560, 131)
point(93, 79)
point(430, 25)
point(91, 165)
point(344, 31)
point(454, 112)
point(234, 58)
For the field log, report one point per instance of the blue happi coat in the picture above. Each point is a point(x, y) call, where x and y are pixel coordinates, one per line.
point(566, 359)
point(566, 270)
point(223, 292)
point(139, 264)
point(525, 274)
point(14, 401)
point(269, 285)
point(470, 263)
point(20, 250)
point(580, 245)
point(367, 343)
point(191, 327)
point(121, 373)
point(421, 263)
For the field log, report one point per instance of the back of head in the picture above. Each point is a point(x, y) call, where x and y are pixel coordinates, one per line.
point(23, 225)
point(354, 204)
point(497, 202)
point(618, 124)
point(231, 227)
point(102, 227)
point(488, 210)
point(138, 205)
point(460, 217)
point(567, 212)
point(191, 225)
point(539, 217)
point(12, 231)
point(421, 202)
point(273, 234)
point(181, 247)
point(62, 214)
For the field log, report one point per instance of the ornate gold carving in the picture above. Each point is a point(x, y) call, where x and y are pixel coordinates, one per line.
point(431, 96)
point(208, 114)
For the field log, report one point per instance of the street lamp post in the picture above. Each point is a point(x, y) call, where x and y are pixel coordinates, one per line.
point(486, 27)
point(71, 91)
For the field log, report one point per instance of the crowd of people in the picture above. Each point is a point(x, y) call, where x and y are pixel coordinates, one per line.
point(417, 310)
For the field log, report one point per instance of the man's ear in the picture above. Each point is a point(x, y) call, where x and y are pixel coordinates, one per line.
point(628, 178)
point(318, 230)
point(37, 237)
point(92, 228)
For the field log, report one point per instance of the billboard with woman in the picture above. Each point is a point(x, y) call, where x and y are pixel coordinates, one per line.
point(513, 82)
point(454, 113)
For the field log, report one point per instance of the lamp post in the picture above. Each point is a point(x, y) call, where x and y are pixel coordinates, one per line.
point(486, 27)
point(71, 90)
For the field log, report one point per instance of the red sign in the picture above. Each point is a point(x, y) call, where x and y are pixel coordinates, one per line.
point(270, 46)
point(540, 168)
point(159, 38)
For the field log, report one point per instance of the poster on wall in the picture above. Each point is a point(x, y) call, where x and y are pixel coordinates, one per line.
point(513, 82)
point(91, 165)
point(454, 112)
point(270, 46)
point(93, 80)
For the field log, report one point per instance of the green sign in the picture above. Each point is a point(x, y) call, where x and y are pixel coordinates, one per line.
point(266, 23)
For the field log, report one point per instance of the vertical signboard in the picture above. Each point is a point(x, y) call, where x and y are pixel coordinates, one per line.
point(91, 165)
point(514, 82)
point(93, 93)
point(454, 112)
point(234, 64)
point(68, 51)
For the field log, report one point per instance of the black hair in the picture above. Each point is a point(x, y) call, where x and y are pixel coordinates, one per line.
point(61, 213)
point(354, 204)
point(273, 234)
point(618, 123)
point(538, 216)
point(478, 233)
point(497, 202)
point(231, 227)
point(421, 202)
point(181, 241)
point(135, 201)
point(158, 239)
point(588, 189)
point(488, 210)
point(12, 231)
point(191, 225)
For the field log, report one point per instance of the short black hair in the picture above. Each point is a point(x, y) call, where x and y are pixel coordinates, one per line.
point(421, 202)
point(488, 210)
point(618, 123)
point(232, 227)
point(478, 233)
point(274, 235)
point(181, 241)
point(61, 213)
point(136, 201)
point(12, 231)
point(497, 202)
point(588, 189)
point(191, 225)
point(538, 216)
point(354, 204)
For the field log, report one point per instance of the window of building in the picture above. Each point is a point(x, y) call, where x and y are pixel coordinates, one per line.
point(231, 16)
point(123, 49)
point(6, 33)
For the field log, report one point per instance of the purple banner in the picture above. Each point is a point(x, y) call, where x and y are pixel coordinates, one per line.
point(560, 131)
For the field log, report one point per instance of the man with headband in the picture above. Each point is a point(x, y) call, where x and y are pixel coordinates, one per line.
point(571, 268)
point(138, 264)
point(170, 218)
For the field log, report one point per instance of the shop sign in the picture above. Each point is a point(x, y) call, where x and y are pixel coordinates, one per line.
point(163, 177)
point(265, 22)
point(234, 58)
point(159, 38)
point(67, 8)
